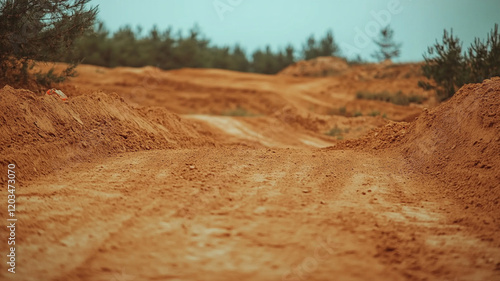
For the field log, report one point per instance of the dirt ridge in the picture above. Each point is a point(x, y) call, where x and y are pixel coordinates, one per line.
point(43, 133)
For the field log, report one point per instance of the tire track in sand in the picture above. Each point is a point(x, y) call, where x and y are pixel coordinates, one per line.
point(252, 214)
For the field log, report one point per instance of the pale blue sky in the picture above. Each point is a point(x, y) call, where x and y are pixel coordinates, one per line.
point(256, 23)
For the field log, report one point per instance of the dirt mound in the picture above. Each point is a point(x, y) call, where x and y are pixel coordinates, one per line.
point(388, 70)
point(459, 142)
point(223, 92)
point(42, 133)
point(390, 135)
point(212, 92)
point(317, 67)
point(343, 127)
point(299, 118)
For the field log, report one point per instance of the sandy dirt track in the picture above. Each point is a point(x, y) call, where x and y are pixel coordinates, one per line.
point(131, 180)
point(258, 214)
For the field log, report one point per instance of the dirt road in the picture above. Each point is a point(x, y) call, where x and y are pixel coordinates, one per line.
point(245, 214)
point(118, 187)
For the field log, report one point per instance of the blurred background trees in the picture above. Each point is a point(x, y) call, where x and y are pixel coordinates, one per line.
point(129, 47)
point(65, 30)
point(322, 48)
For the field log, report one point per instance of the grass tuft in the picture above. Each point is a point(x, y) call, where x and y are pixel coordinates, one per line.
point(395, 98)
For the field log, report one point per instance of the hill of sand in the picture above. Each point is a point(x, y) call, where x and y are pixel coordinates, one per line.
point(457, 142)
point(43, 133)
point(318, 67)
point(203, 174)
point(216, 92)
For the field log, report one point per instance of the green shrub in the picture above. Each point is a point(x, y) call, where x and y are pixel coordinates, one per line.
point(374, 113)
point(342, 110)
point(49, 78)
point(39, 31)
point(337, 132)
point(396, 98)
point(450, 68)
point(338, 111)
point(357, 113)
point(446, 65)
point(358, 60)
point(483, 58)
point(415, 99)
point(334, 132)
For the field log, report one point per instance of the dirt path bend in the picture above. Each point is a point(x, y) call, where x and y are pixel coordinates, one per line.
point(244, 214)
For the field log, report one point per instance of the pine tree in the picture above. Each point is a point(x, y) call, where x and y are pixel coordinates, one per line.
point(484, 57)
point(325, 47)
point(446, 65)
point(239, 60)
point(290, 55)
point(42, 30)
point(310, 51)
point(388, 48)
point(450, 68)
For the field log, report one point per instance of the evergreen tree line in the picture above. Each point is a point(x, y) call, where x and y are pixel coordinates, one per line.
point(55, 30)
point(166, 50)
point(449, 66)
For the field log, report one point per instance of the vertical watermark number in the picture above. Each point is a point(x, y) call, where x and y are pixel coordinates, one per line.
point(11, 219)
